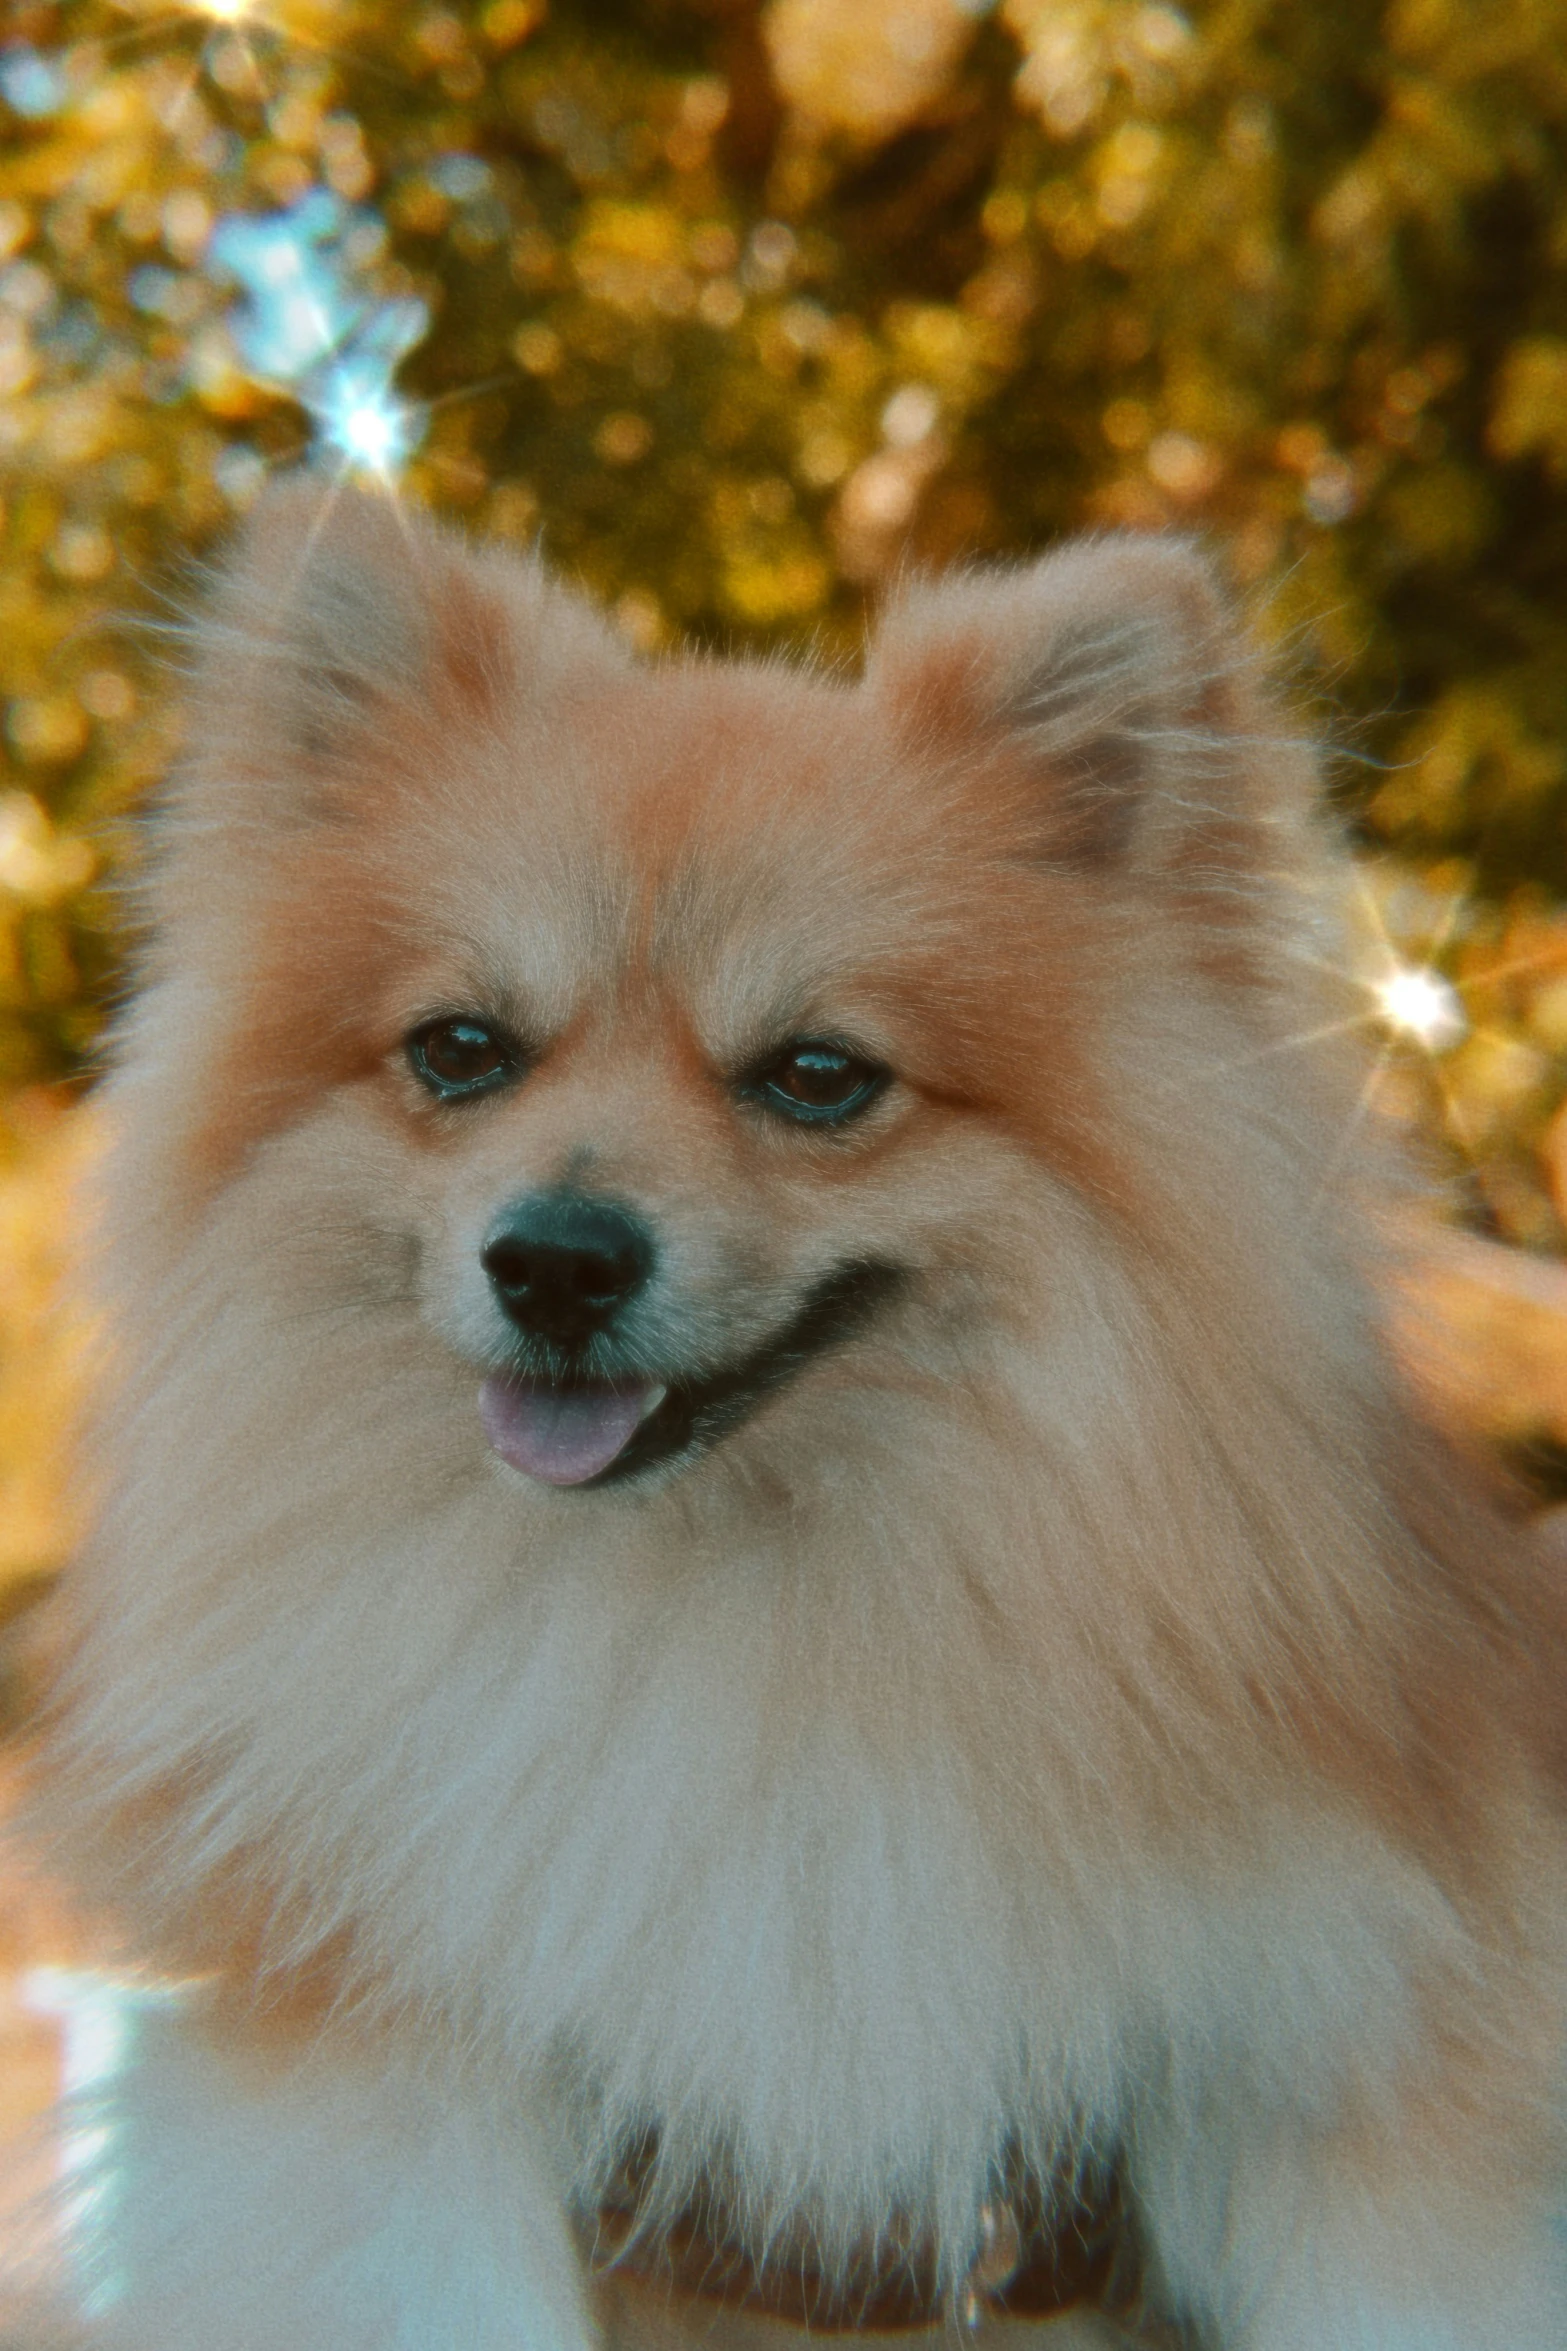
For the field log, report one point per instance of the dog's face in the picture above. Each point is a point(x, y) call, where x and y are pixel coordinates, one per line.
point(696, 1031)
point(688, 1142)
point(707, 1090)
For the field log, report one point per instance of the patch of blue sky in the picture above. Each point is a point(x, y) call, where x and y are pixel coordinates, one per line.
point(313, 324)
point(31, 81)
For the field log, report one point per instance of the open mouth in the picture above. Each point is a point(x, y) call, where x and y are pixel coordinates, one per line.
point(584, 1433)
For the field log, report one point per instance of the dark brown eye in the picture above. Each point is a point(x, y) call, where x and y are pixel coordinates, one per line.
point(817, 1084)
point(457, 1057)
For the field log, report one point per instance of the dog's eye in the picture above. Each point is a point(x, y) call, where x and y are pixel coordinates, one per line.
point(458, 1057)
point(817, 1083)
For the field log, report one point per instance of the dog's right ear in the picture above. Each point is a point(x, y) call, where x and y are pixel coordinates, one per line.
point(343, 617)
point(1121, 684)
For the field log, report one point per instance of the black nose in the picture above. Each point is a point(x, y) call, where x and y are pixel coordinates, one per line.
point(562, 1267)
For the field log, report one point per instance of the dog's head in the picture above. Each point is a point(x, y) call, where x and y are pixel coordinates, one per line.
point(694, 1029)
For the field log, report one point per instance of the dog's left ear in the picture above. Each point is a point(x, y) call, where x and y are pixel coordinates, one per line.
point(1115, 677)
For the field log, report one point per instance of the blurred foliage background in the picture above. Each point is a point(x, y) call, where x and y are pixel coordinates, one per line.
point(742, 306)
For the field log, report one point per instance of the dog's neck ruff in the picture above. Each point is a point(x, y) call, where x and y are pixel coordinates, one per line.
point(1039, 2255)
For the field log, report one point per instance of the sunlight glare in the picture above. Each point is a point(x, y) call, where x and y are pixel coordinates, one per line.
point(1417, 1002)
point(365, 426)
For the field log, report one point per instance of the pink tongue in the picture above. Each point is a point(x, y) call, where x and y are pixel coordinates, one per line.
point(563, 1436)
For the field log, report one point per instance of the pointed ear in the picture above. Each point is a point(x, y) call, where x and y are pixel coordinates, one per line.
point(341, 613)
point(1114, 674)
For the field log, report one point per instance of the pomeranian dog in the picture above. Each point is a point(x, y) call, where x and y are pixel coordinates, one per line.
point(768, 1639)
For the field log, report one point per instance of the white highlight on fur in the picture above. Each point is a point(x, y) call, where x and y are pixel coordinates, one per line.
point(298, 2208)
point(97, 2015)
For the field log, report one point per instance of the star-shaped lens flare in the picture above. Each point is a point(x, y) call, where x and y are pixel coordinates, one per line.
point(360, 420)
point(1417, 1002)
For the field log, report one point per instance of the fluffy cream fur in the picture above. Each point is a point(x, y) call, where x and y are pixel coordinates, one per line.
point(1082, 1720)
